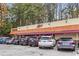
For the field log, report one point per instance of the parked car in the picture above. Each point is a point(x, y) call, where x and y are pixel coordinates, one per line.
point(15, 41)
point(46, 41)
point(24, 41)
point(78, 43)
point(33, 41)
point(66, 43)
point(9, 40)
point(3, 40)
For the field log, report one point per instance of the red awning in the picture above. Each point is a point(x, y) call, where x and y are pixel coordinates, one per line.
point(67, 31)
point(49, 30)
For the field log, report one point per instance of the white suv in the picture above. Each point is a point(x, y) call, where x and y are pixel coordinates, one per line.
point(46, 41)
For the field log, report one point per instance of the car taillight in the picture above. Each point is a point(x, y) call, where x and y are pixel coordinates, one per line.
point(59, 42)
point(72, 42)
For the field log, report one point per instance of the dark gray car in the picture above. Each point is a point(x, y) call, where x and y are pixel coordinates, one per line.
point(9, 40)
point(24, 41)
point(33, 41)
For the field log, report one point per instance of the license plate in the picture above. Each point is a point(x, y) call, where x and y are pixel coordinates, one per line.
point(65, 44)
point(44, 41)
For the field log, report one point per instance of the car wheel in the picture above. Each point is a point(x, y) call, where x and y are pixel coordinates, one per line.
point(16, 43)
point(58, 49)
point(24, 44)
point(6, 43)
point(73, 49)
point(40, 47)
point(21, 43)
point(51, 47)
point(36, 45)
point(30, 45)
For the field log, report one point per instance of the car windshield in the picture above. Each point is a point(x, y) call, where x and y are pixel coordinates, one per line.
point(6, 38)
point(0, 38)
point(45, 38)
point(33, 38)
point(66, 39)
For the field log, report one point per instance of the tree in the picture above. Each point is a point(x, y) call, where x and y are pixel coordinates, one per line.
point(72, 10)
point(27, 12)
point(5, 27)
point(49, 10)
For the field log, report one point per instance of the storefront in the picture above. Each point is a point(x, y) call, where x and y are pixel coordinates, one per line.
point(58, 29)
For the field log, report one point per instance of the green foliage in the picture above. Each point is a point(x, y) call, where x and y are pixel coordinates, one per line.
point(26, 13)
point(6, 28)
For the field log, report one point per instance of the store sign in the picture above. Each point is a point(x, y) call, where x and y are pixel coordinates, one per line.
point(40, 25)
point(14, 29)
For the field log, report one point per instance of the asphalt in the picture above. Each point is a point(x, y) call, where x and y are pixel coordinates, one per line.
point(18, 50)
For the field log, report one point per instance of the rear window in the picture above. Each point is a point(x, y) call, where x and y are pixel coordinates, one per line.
point(8, 38)
point(45, 38)
point(65, 39)
point(33, 38)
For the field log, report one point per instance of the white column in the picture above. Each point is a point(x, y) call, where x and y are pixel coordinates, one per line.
point(77, 38)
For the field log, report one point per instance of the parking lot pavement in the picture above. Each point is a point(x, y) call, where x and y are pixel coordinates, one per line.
point(18, 50)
